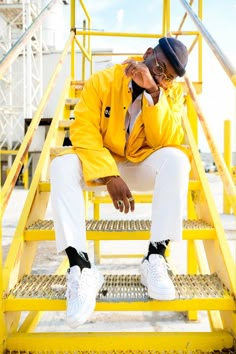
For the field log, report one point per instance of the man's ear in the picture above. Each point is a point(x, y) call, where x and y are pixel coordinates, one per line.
point(148, 52)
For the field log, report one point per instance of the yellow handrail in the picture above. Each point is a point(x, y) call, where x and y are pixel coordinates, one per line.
point(23, 150)
point(224, 61)
point(219, 161)
point(227, 159)
point(133, 35)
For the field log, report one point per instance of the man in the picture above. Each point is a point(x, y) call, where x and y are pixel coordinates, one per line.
point(127, 135)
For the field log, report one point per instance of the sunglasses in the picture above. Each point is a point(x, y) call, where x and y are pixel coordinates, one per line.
point(159, 70)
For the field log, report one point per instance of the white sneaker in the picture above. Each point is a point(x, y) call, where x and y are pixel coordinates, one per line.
point(82, 289)
point(155, 277)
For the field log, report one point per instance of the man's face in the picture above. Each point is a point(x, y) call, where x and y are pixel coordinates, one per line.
point(161, 70)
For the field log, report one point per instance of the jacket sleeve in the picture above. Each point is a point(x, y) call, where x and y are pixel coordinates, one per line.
point(86, 137)
point(163, 121)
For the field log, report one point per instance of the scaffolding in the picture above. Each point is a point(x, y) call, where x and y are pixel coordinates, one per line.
point(24, 75)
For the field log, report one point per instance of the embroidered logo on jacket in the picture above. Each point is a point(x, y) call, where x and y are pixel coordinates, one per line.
point(107, 112)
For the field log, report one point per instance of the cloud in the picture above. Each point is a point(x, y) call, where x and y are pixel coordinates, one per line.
point(120, 16)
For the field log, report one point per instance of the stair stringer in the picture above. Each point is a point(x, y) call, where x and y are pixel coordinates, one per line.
point(217, 251)
point(21, 254)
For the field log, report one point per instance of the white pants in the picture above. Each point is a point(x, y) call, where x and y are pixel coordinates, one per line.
point(165, 172)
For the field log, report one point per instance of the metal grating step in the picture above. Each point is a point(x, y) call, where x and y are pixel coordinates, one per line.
point(119, 230)
point(118, 288)
point(44, 186)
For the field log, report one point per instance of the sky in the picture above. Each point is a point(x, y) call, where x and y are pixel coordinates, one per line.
point(218, 99)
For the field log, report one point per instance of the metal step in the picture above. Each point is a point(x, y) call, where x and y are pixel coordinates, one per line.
point(71, 102)
point(65, 124)
point(121, 293)
point(119, 230)
point(44, 186)
point(121, 343)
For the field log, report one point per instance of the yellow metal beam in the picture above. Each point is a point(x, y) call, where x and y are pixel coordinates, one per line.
point(228, 160)
point(49, 235)
point(83, 50)
point(2, 319)
point(44, 186)
point(132, 342)
point(226, 303)
point(131, 35)
point(8, 152)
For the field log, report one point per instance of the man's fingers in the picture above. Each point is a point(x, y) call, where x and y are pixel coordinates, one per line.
point(125, 205)
point(131, 67)
point(131, 203)
point(129, 61)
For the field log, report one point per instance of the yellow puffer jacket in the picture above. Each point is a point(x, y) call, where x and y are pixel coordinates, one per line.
point(98, 133)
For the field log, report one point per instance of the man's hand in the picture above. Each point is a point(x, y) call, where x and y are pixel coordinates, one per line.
point(120, 194)
point(140, 73)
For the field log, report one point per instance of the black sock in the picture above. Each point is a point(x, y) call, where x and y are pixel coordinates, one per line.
point(80, 259)
point(158, 248)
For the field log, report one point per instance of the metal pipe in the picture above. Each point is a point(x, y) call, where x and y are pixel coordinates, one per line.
point(228, 160)
point(164, 18)
point(72, 26)
point(219, 161)
point(13, 53)
point(83, 50)
point(200, 56)
point(83, 56)
point(224, 61)
point(184, 18)
point(133, 35)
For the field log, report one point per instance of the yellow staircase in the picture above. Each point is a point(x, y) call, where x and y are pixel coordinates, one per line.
point(208, 285)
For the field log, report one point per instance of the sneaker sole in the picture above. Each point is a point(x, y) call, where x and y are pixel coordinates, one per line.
point(158, 295)
point(80, 320)
point(161, 296)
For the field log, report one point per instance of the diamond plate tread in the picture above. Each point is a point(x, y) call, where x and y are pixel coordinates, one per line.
point(120, 288)
point(120, 225)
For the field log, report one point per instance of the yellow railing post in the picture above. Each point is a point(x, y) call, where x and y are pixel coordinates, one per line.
point(26, 172)
point(192, 116)
point(97, 249)
point(72, 26)
point(200, 13)
point(2, 322)
point(83, 56)
point(228, 160)
point(167, 16)
point(192, 268)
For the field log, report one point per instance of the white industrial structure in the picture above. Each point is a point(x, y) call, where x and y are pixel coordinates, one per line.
point(21, 86)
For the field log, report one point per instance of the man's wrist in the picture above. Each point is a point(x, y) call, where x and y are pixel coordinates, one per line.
point(153, 92)
point(108, 179)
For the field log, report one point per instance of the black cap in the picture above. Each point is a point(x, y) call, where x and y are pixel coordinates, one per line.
point(176, 52)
